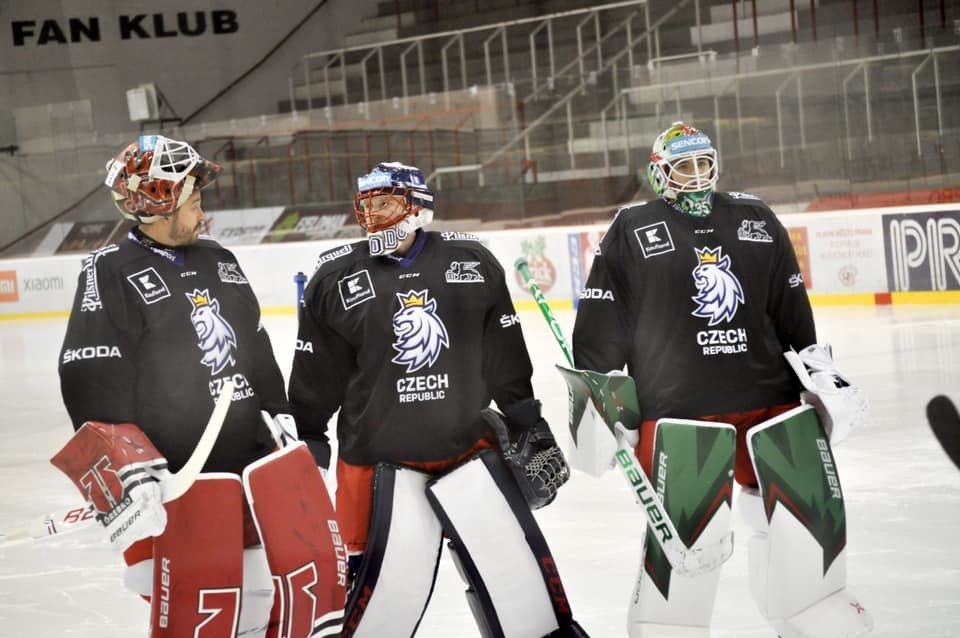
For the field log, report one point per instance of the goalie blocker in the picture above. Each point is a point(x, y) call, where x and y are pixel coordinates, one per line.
point(513, 587)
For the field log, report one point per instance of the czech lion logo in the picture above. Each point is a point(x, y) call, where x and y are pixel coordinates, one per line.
point(420, 333)
point(215, 336)
point(718, 291)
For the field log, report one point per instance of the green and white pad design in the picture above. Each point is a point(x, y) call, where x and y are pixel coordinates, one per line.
point(797, 556)
point(597, 402)
point(796, 472)
point(693, 476)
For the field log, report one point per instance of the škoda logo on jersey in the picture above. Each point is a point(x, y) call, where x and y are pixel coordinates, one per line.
point(421, 336)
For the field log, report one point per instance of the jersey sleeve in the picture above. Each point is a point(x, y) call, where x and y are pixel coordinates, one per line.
point(506, 362)
point(265, 373)
point(789, 305)
point(97, 369)
point(322, 365)
point(601, 332)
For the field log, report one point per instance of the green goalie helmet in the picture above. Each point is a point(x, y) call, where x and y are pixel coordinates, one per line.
point(683, 169)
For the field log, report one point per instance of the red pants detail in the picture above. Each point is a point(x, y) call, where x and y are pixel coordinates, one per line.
point(355, 492)
point(743, 421)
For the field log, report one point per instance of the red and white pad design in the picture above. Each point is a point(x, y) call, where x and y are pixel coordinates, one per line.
point(107, 460)
point(308, 559)
point(198, 562)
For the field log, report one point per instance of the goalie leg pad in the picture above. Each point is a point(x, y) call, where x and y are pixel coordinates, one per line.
point(692, 472)
point(197, 562)
point(399, 566)
point(797, 555)
point(295, 520)
point(514, 585)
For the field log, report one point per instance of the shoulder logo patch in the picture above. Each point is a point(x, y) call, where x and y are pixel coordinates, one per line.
point(463, 272)
point(654, 239)
point(754, 230)
point(230, 273)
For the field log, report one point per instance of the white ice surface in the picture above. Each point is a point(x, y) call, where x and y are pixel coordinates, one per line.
point(902, 495)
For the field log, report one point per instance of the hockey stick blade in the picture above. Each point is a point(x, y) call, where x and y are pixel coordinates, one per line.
point(945, 423)
point(174, 486)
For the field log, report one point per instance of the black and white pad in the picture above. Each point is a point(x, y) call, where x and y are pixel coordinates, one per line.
point(515, 589)
point(395, 579)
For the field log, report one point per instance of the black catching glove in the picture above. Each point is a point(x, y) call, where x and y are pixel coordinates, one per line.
point(530, 450)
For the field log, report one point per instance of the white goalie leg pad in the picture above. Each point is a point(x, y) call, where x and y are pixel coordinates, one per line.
point(797, 580)
point(395, 579)
point(515, 589)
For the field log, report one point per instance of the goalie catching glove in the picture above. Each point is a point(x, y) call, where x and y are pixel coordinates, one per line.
point(842, 406)
point(530, 450)
point(119, 471)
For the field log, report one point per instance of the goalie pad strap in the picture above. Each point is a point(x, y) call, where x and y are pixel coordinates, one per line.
point(395, 579)
point(504, 557)
point(295, 520)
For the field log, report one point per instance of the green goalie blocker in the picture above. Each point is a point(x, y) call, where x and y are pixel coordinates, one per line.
point(598, 402)
point(693, 477)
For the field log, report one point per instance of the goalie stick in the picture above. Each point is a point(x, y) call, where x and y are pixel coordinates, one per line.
point(174, 486)
point(686, 561)
point(945, 423)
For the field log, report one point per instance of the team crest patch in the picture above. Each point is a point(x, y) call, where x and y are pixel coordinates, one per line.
point(719, 294)
point(150, 285)
point(230, 273)
point(420, 333)
point(654, 239)
point(754, 230)
point(463, 272)
point(355, 289)
point(215, 337)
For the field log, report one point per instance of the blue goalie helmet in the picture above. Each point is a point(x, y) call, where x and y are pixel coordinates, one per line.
point(392, 202)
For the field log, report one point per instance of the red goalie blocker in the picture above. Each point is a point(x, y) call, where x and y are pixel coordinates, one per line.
point(295, 518)
point(106, 462)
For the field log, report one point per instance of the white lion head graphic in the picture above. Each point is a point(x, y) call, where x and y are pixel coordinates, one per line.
point(718, 290)
point(215, 336)
point(420, 333)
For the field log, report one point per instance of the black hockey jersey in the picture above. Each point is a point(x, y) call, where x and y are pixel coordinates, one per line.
point(410, 350)
point(153, 334)
point(699, 310)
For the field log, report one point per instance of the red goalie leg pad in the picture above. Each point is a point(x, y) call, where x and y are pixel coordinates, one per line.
point(198, 562)
point(301, 535)
point(104, 460)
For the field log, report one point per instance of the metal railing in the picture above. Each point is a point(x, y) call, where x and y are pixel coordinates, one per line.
point(327, 61)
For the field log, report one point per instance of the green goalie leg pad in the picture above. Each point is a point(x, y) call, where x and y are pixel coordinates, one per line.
point(693, 465)
point(797, 554)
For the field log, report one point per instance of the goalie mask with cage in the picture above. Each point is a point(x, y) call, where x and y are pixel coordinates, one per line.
point(153, 176)
point(683, 169)
point(392, 202)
